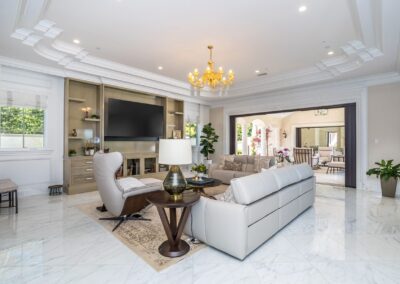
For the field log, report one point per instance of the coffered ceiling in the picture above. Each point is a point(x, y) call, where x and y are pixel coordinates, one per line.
point(125, 42)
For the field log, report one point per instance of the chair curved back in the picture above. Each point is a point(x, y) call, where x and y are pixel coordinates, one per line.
point(325, 153)
point(303, 155)
point(105, 167)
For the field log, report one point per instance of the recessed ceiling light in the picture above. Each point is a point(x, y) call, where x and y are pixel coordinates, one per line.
point(160, 68)
point(257, 71)
point(331, 52)
point(302, 8)
point(77, 41)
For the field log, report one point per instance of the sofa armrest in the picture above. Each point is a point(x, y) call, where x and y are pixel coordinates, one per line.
point(212, 168)
point(221, 225)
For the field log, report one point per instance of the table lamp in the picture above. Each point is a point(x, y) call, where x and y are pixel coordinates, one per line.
point(175, 152)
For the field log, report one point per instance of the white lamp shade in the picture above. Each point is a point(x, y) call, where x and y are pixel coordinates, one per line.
point(175, 152)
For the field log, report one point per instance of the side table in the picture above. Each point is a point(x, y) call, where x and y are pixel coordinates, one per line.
point(174, 246)
point(200, 187)
point(8, 186)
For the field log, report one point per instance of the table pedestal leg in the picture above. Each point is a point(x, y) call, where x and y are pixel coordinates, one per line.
point(174, 246)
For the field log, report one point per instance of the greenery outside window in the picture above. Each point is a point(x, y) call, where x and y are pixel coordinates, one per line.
point(191, 132)
point(21, 127)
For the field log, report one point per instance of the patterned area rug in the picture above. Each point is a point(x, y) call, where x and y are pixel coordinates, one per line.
point(142, 237)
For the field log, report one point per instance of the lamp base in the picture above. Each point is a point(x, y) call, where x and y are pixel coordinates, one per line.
point(175, 183)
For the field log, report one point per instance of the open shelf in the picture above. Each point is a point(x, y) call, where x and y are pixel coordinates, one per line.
point(76, 100)
point(75, 138)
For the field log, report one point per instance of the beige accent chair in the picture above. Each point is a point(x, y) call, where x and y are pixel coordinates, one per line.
point(250, 165)
point(325, 154)
point(124, 197)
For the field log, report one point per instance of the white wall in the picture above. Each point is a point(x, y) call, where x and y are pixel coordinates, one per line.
point(383, 126)
point(34, 170)
point(200, 114)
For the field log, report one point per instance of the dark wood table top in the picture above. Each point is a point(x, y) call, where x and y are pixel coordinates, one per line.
point(163, 199)
point(215, 182)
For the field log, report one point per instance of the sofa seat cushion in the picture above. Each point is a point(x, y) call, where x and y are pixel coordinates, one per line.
point(261, 208)
point(285, 176)
point(340, 165)
point(307, 185)
point(288, 194)
point(224, 175)
point(242, 174)
point(304, 171)
point(249, 189)
point(129, 183)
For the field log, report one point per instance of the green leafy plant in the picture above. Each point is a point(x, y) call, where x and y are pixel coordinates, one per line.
point(71, 152)
point(385, 170)
point(200, 168)
point(191, 130)
point(207, 140)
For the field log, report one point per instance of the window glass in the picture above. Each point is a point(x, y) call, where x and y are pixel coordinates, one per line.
point(21, 127)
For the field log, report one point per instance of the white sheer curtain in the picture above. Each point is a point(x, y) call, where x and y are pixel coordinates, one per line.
point(17, 98)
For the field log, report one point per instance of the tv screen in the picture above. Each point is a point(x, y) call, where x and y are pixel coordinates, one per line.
point(131, 121)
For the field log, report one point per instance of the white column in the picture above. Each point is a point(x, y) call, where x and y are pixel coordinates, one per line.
point(263, 141)
point(244, 138)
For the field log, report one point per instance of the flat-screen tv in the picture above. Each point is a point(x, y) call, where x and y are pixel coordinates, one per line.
point(131, 121)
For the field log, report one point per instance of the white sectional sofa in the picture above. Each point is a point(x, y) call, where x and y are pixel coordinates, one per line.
point(262, 204)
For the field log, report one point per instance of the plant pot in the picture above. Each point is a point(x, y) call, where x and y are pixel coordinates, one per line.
point(388, 187)
point(208, 162)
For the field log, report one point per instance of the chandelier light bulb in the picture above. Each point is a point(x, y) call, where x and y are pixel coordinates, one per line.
point(212, 78)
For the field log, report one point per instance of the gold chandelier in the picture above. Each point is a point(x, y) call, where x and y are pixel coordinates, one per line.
point(211, 78)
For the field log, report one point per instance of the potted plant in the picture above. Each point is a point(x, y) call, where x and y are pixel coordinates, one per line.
point(199, 170)
point(388, 174)
point(71, 153)
point(207, 140)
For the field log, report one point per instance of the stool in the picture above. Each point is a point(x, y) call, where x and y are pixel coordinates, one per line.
point(56, 189)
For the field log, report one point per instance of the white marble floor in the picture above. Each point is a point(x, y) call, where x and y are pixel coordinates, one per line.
point(335, 178)
point(349, 236)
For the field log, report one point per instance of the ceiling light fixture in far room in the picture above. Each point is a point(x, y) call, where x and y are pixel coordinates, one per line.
point(215, 80)
point(302, 8)
point(77, 41)
point(257, 71)
point(160, 68)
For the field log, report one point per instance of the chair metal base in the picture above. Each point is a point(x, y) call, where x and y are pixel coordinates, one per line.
point(130, 217)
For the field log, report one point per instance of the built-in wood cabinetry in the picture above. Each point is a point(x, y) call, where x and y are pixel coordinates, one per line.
point(78, 169)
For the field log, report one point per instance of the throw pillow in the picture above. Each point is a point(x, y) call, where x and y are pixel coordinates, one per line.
point(227, 196)
point(232, 166)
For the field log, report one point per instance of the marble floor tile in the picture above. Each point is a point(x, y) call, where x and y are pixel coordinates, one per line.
point(348, 236)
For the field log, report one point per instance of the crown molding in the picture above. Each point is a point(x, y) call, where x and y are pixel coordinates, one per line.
point(357, 83)
point(42, 35)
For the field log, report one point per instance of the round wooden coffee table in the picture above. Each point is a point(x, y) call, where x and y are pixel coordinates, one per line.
point(174, 246)
point(200, 187)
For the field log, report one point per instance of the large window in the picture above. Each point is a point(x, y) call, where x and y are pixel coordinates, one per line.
point(21, 127)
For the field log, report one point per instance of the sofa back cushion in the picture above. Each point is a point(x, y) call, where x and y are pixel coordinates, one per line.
point(249, 189)
point(304, 171)
point(285, 176)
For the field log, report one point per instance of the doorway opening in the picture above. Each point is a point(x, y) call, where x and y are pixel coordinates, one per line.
point(323, 137)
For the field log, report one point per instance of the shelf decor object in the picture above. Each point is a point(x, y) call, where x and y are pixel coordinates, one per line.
point(175, 152)
point(214, 79)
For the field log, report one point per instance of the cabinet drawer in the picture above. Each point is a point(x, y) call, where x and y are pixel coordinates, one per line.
point(82, 171)
point(82, 179)
point(82, 163)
